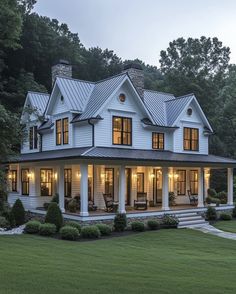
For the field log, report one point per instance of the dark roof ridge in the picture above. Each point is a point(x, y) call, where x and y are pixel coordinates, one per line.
point(180, 97)
point(77, 80)
point(159, 92)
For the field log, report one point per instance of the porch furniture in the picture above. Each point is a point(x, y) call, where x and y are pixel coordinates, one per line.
point(141, 202)
point(193, 199)
point(111, 205)
point(172, 198)
point(91, 205)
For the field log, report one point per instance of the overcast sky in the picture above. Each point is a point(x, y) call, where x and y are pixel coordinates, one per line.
point(142, 28)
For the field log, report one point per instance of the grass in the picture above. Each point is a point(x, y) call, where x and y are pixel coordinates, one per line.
point(228, 226)
point(166, 261)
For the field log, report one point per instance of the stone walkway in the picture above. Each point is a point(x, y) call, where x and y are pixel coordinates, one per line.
point(16, 231)
point(208, 229)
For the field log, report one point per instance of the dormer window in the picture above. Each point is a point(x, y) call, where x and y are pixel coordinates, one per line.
point(62, 131)
point(33, 138)
point(191, 139)
point(121, 130)
point(158, 141)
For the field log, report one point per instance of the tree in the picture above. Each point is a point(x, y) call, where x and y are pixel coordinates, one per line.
point(195, 65)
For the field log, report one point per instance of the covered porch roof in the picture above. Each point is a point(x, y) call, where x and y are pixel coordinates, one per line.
point(130, 156)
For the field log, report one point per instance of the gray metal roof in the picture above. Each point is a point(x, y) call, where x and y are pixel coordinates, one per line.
point(128, 155)
point(155, 103)
point(77, 92)
point(174, 107)
point(38, 101)
point(101, 92)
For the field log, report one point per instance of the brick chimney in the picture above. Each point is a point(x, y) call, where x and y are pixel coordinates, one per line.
point(135, 73)
point(62, 68)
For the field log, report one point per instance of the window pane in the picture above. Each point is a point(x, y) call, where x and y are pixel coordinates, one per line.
point(31, 137)
point(65, 131)
point(46, 182)
point(122, 131)
point(58, 132)
point(140, 182)
point(109, 181)
point(25, 181)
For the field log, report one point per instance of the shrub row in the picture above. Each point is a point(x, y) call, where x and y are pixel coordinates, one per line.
point(211, 214)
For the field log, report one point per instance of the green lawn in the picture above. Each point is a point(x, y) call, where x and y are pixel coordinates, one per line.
point(228, 226)
point(166, 261)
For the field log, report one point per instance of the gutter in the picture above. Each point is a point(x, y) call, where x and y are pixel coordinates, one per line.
point(91, 124)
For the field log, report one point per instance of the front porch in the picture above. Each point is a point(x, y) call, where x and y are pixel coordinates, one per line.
point(87, 184)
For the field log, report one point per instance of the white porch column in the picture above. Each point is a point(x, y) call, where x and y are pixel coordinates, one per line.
point(230, 186)
point(122, 185)
point(206, 181)
point(84, 190)
point(60, 179)
point(200, 187)
point(165, 188)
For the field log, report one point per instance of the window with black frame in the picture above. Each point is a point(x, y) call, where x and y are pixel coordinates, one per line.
point(65, 130)
point(191, 139)
point(121, 130)
point(25, 181)
point(158, 141)
point(33, 137)
point(67, 182)
point(14, 180)
point(46, 176)
point(181, 182)
point(109, 181)
point(193, 178)
point(140, 182)
point(58, 132)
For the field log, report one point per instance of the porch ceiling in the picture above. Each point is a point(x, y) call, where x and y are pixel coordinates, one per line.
point(130, 156)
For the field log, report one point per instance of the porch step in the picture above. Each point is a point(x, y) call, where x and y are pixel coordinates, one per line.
point(190, 220)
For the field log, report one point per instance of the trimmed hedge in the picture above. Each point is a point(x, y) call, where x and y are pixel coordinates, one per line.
point(90, 232)
point(225, 216)
point(74, 225)
point(54, 215)
point(211, 213)
point(169, 221)
point(69, 233)
point(47, 229)
point(104, 229)
point(32, 227)
point(153, 224)
point(18, 213)
point(137, 226)
point(120, 222)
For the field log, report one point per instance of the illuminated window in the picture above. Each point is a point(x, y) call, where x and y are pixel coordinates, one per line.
point(191, 139)
point(65, 131)
point(58, 132)
point(109, 181)
point(140, 182)
point(25, 181)
point(46, 182)
point(33, 138)
point(122, 130)
point(67, 182)
point(158, 141)
point(181, 182)
point(62, 131)
point(14, 181)
point(193, 178)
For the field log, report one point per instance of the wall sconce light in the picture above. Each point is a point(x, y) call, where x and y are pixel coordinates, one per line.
point(152, 176)
point(176, 176)
point(170, 175)
point(30, 175)
point(78, 174)
point(10, 176)
point(207, 175)
point(55, 176)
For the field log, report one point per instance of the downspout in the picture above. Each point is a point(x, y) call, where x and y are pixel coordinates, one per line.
point(91, 124)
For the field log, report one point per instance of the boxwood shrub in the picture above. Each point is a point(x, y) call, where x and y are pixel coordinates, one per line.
point(170, 221)
point(90, 232)
point(211, 213)
point(4, 224)
point(153, 224)
point(74, 225)
point(104, 229)
point(225, 216)
point(32, 227)
point(137, 226)
point(18, 212)
point(120, 222)
point(54, 215)
point(69, 233)
point(47, 229)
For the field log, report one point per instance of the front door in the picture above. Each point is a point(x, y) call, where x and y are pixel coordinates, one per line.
point(128, 186)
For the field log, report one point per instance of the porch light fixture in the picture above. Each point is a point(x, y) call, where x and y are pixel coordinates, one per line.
point(152, 176)
point(207, 174)
point(55, 176)
point(10, 176)
point(30, 175)
point(78, 174)
point(176, 176)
